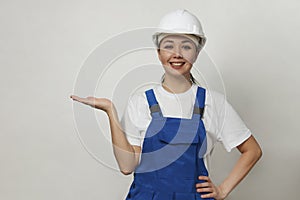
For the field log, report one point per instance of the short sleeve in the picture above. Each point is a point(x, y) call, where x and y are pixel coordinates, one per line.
point(232, 130)
point(131, 119)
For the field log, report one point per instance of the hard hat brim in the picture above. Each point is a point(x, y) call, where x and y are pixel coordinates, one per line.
point(156, 34)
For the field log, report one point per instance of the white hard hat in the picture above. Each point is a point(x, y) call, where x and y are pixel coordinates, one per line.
point(180, 22)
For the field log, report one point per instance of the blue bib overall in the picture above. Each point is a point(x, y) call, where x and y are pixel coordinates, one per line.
point(172, 155)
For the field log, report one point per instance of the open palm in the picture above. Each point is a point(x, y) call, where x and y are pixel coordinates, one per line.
point(99, 103)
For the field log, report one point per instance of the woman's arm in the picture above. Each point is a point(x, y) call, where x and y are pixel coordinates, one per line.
point(250, 154)
point(127, 155)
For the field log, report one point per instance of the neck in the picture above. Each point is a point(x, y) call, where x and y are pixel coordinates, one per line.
point(177, 84)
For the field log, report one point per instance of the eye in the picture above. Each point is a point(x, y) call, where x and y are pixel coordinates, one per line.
point(168, 47)
point(186, 47)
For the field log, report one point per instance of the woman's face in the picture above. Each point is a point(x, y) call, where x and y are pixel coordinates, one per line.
point(177, 54)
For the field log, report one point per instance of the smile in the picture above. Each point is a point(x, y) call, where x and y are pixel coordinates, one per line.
point(177, 65)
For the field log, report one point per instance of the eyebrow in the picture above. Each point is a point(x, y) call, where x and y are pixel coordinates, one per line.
point(185, 41)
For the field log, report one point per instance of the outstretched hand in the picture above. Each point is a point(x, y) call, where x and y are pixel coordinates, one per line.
point(99, 103)
point(209, 189)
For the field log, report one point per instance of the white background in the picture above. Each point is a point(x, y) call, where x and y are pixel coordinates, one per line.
point(43, 45)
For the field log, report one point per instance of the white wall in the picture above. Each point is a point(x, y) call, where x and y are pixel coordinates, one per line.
point(44, 46)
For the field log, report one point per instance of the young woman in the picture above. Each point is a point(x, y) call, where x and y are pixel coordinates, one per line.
point(171, 129)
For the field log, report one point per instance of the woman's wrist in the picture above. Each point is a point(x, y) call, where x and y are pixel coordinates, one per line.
point(110, 110)
point(223, 192)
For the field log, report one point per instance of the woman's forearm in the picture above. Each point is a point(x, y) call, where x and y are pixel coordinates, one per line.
point(251, 153)
point(124, 152)
point(126, 155)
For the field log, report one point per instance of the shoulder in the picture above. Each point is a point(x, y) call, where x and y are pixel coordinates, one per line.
point(215, 106)
point(139, 96)
point(215, 97)
point(138, 99)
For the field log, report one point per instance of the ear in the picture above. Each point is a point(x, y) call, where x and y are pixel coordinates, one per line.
point(158, 53)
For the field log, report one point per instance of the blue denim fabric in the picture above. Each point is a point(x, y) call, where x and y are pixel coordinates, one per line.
point(172, 155)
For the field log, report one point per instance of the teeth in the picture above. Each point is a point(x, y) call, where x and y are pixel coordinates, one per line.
point(177, 64)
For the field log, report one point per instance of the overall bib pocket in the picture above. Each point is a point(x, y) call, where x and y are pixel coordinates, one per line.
point(180, 152)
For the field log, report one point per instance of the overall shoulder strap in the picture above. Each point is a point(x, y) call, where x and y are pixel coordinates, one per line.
point(152, 102)
point(200, 101)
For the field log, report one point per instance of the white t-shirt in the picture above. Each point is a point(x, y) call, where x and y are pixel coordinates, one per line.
point(221, 121)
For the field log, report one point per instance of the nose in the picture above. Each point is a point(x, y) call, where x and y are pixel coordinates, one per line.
point(177, 53)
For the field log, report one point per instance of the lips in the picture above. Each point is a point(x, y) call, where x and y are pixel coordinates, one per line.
point(177, 65)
